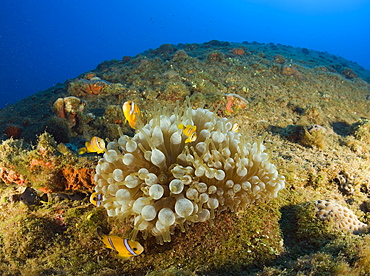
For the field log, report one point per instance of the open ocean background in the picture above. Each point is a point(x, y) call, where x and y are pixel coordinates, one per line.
point(46, 42)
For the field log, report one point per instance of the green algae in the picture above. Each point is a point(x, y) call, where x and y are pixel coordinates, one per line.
point(314, 139)
point(37, 242)
point(310, 230)
point(44, 242)
point(54, 240)
point(41, 166)
point(361, 130)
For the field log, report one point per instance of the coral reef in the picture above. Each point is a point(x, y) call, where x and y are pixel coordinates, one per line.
point(43, 168)
point(165, 51)
point(160, 182)
point(175, 91)
point(9, 175)
point(69, 108)
point(78, 179)
point(234, 103)
point(90, 75)
point(346, 183)
point(316, 131)
point(215, 57)
point(13, 131)
point(348, 73)
point(314, 136)
point(291, 71)
point(279, 59)
point(238, 51)
point(180, 56)
point(361, 130)
point(341, 217)
point(92, 86)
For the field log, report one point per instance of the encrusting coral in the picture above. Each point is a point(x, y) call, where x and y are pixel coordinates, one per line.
point(69, 108)
point(83, 87)
point(43, 168)
point(342, 217)
point(158, 181)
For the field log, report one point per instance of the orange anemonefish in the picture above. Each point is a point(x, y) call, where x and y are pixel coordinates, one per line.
point(131, 112)
point(126, 248)
point(96, 199)
point(96, 144)
point(189, 131)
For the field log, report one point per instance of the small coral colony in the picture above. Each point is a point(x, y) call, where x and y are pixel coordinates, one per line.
point(182, 167)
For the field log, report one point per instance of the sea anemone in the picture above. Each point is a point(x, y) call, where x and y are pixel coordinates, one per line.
point(158, 182)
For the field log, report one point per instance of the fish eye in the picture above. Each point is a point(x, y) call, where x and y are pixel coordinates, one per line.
point(135, 249)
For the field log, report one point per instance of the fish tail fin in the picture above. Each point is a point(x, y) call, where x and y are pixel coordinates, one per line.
point(82, 150)
point(132, 124)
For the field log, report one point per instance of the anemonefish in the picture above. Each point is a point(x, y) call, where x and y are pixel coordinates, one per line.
point(126, 248)
point(189, 131)
point(131, 112)
point(96, 199)
point(235, 127)
point(96, 144)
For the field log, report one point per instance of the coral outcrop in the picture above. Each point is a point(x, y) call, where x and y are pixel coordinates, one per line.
point(160, 182)
point(348, 73)
point(291, 71)
point(69, 108)
point(92, 86)
point(13, 131)
point(44, 168)
point(279, 59)
point(361, 130)
point(341, 217)
point(238, 51)
point(78, 178)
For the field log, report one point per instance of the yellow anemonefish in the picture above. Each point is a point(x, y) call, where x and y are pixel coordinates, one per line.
point(96, 199)
point(126, 248)
point(96, 144)
point(189, 131)
point(131, 112)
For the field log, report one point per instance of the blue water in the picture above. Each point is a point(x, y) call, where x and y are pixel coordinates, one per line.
point(44, 42)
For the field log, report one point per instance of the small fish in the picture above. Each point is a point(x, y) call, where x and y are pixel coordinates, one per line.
point(30, 197)
point(126, 248)
point(131, 112)
point(235, 127)
point(75, 196)
point(96, 199)
point(63, 149)
point(189, 131)
point(96, 144)
point(72, 147)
